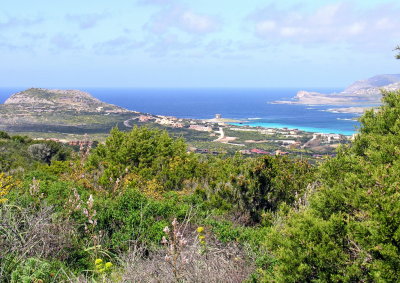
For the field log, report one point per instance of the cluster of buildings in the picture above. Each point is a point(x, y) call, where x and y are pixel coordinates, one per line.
point(84, 143)
point(203, 151)
point(201, 128)
point(163, 120)
point(262, 152)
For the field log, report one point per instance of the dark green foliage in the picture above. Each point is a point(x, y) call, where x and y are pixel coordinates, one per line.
point(147, 154)
point(267, 182)
point(21, 152)
point(350, 231)
point(48, 151)
point(4, 135)
point(133, 217)
point(37, 270)
point(256, 185)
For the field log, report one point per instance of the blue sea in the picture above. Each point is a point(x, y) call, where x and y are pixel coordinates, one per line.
point(252, 105)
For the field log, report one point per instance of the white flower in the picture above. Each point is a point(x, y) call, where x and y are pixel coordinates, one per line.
point(90, 201)
point(166, 230)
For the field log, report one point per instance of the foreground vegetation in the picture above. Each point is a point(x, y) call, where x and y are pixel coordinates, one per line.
point(140, 208)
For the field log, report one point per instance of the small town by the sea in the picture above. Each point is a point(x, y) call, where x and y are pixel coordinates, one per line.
point(251, 140)
point(46, 115)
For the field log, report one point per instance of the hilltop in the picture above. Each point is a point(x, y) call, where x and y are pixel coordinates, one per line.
point(49, 100)
point(60, 111)
point(367, 92)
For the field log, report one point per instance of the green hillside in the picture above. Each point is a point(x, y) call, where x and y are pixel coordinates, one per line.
point(140, 208)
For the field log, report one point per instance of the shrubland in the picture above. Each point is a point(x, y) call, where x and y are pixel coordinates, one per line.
point(141, 208)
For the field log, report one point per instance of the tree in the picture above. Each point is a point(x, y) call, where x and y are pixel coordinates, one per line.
point(398, 55)
point(4, 135)
point(142, 155)
point(263, 184)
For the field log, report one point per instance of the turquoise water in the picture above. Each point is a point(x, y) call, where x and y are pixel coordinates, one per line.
point(302, 128)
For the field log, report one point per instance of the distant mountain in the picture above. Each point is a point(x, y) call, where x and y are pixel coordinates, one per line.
point(374, 82)
point(367, 91)
point(50, 100)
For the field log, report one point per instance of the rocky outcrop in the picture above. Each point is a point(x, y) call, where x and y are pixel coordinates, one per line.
point(59, 100)
point(367, 91)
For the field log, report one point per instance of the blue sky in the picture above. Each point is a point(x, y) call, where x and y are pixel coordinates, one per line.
point(203, 43)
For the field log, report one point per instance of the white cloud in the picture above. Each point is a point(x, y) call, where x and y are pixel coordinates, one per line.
point(193, 22)
point(332, 23)
point(356, 28)
point(183, 19)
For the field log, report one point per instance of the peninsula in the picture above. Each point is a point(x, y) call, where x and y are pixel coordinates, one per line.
point(363, 94)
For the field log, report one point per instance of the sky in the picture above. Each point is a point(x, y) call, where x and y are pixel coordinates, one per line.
point(196, 43)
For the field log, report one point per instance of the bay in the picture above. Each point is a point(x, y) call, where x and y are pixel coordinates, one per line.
point(252, 105)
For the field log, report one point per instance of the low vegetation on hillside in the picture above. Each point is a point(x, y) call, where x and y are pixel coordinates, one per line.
point(141, 208)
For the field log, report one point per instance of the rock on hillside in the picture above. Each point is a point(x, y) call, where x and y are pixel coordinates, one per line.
point(62, 100)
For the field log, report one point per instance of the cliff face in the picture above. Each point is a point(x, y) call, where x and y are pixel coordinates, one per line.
point(59, 100)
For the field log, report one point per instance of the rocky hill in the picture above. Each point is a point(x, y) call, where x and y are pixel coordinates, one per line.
point(367, 91)
point(375, 82)
point(50, 100)
point(60, 111)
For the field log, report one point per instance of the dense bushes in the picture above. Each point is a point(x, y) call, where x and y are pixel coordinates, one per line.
point(18, 153)
point(335, 222)
point(142, 156)
point(350, 230)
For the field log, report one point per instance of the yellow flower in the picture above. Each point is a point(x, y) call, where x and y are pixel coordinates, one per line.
point(98, 261)
point(6, 184)
point(200, 229)
point(108, 265)
point(202, 237)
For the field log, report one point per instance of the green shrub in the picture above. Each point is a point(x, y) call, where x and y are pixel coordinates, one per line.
point(350, 231)
point(37, 270)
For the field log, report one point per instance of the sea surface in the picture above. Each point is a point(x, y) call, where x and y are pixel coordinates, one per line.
point(252, 105)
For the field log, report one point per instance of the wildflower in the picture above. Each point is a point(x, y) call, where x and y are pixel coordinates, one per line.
point(200, 229)
point(164, 240)
point(108, 265)
point(174, 222)
point(166, 230)
point(90, 201)
point(98, 261)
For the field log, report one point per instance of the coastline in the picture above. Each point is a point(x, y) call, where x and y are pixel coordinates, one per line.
point(301, 128)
